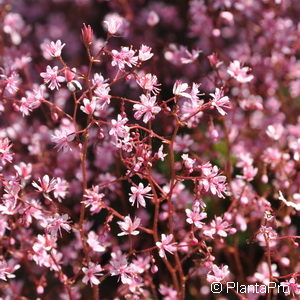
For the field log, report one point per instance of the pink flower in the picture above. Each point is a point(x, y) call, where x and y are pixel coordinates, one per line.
point(54, 49)
point(195, 216)
point(166, 245)
point(62, 139)
point(145, 53)
point(88, 106)
point(237, 72)
point(94, 242)
point(14, 25)
point(168, 293)
point(249, 172)
point(220, 101)
point(124, 57)
point(291, 287)
point(263, 272)
point(11, 82)
point(148, 82)
point(160, 154)
point(138, 194)
point(113, 23)
point(119, 265)
point(91, 272)
point(179, 89)
point(217, 274)
point(55, 223)
point(94, 199)
point(5, 154)
point(218, 227)
point(266, 232)
point(51, 77)
point(27, 104)
point(118, 127)
point(101, 91)
point(188, 162)
point(213, 181)
point(23, 170)
point(7, 269)
point(60, 190)
point(275, 131)
point(183, 143)
point(146, 108)
point(45, 184)
point(153, 18)
point(128, 227)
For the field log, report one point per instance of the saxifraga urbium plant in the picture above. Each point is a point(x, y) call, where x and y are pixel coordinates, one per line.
point(153, 154)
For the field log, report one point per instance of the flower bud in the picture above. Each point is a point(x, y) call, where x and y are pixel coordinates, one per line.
point(69, 75)
point(87, 34)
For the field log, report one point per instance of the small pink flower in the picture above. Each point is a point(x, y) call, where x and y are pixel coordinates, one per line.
point(147, 108)
point(128, 227)
point(179, 89)
point(94, 199)
point(45, 184)
point(160, 154)
point(213, 181)
point(56, 223)
point(219, 227)
point(145, 53)
point(138, 194)
point(153, 18)
point(168, 292)
point(5, 154)
point(113, 23)
point(24, 170)
point(188, 162)
point(275, 131)
point(91, 272)
point(124, 57)
point(54, 49)
point(237, 72)
point(11, 82)
point(217, 274)
point(88, 106)
point(220, 101)
point(118, 127)
point(148, 82)
point(60, 190)
point(51, 77)
point(62, 139)
point(94, 242)
point(7, 269)
point(166, 245)
point(195, 216)
point(249, 173)
point(291, 287)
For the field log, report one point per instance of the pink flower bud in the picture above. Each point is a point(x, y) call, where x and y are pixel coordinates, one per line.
point(54, 116)
point(69, 75)
point(87, 34)
point(213, 59)
point(40, 290)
